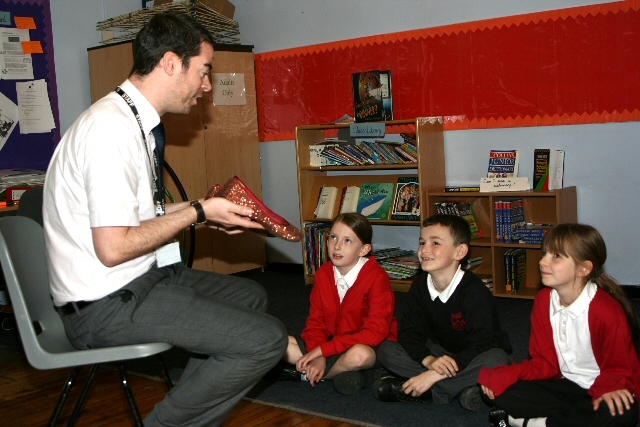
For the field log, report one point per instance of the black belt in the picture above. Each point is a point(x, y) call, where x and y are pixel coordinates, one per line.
point(76, 306)
point(72, 307)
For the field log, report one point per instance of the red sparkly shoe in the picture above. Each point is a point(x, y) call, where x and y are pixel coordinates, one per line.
point(237, 192)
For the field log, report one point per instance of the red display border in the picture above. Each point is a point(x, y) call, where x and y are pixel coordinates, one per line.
point(594, 76)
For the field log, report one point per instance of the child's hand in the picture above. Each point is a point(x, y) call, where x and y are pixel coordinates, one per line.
point(417, 385)
point(486, 390)
point(301, 364)
point(444, 365)
point(620, 399)
point(315, 370)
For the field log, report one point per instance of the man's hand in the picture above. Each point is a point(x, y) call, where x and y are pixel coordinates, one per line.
point(230, 217)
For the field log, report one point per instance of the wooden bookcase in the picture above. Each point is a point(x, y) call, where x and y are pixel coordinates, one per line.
point(547, 207)
point(430, 170)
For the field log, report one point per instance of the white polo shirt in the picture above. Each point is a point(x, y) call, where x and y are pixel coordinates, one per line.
point(99, 176)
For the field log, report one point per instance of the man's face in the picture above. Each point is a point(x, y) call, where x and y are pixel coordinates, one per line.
point(193, 82)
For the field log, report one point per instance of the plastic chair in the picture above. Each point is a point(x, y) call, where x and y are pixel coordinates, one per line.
point(31, 204)
point(23, 260)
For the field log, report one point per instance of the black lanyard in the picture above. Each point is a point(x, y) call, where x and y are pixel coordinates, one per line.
point(157, 188)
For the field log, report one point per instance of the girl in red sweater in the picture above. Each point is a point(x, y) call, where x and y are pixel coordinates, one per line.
point(351, 313)
point(583, 368)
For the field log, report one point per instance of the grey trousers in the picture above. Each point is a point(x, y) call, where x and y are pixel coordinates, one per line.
point(396, 360)
point(221, 317)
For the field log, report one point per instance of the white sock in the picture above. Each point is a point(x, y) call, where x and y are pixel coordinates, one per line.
point(516, 422)
point(537, 422)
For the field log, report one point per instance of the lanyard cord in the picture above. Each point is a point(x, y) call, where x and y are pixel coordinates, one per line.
point(160, 210)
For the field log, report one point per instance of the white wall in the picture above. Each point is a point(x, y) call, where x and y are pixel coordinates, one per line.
point(600, 158)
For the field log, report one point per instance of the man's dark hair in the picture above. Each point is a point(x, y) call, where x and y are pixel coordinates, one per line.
point(458, 227)
point(167, 32)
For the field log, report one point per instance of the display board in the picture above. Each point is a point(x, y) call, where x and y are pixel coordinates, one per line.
point(35, 94)
point(568, 66)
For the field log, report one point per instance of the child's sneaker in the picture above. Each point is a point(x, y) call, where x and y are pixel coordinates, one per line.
point(348, 382)
point(470, 398)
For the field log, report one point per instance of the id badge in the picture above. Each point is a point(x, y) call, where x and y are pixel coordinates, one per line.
point(168, 254)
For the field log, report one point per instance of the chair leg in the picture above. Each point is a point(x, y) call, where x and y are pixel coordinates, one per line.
point(63, 396)
point(83, 395)
point(165, 372)
point(129, 394)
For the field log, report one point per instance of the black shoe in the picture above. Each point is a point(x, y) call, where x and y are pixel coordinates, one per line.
point(470, 398)
point(498, 418)
point(389, 389)
point(283, 372)
point(348, 382)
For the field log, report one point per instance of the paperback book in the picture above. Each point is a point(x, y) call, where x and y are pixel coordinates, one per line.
point(350, 196)
point(375, 199)
point(406, 203)
point(503, 164)
point(372, 96)
point(548, 169)
point(326, 202)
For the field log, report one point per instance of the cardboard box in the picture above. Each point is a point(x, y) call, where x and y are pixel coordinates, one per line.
point(223, 7)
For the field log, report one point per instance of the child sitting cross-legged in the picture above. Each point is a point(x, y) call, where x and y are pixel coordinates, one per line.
point(351, 313)
point(449, 328)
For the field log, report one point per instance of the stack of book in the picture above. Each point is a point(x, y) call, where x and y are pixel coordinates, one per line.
point(509, 215)
point(515, 261)
point(363, 152)
point(532, 233)
point(400, 264)
point(464, 210)
point(316, 245)
point(472, 263)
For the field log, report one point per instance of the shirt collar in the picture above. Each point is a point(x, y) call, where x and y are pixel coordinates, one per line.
point(579, 306)
point(352, 275)
point(449, 290)
point(148, 115)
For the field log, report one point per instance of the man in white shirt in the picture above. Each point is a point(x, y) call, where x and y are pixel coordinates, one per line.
point(106, 231)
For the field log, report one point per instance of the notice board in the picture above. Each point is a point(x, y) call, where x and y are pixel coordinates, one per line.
point(28, 150)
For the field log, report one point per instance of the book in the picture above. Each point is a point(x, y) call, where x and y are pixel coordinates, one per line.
point(503, 163)
point(326, 202)
point(372, 100)
point(499, 212)
point(406, 203)
point(375, 199)
point(461, 189)
point(548, 169)
point(315, 153)
point(464, 210)
point(350, 197)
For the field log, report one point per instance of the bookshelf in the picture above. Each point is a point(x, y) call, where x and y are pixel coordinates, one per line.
point(549, 207)
point(430, 169)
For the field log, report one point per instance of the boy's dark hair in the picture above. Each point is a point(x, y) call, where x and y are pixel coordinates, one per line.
point(167, 32)
point(358, 223)
point(458, 227)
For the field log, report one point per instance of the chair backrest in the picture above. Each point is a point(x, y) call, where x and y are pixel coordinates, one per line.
point(31, 204)
point(24, 264)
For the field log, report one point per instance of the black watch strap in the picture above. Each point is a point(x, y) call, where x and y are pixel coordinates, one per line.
point(202, 218)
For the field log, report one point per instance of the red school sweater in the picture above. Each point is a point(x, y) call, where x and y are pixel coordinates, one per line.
point(610, 339)
point(366, 315)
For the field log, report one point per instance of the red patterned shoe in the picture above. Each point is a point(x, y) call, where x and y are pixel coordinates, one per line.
point(237, 192)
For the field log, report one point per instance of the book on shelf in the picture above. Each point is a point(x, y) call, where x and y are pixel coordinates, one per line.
point(372, 96)
point(509, 215)
point(399, 263)
point(472, 263)
point(532, 233)
point(326, 202)
point(375, 199)
point(316, 246)
point(503, 163)
point(350, 196)
point(464, 210)
point(315, 153)
point(470, 189)
point(406, 203)
point(515, 269)
point(548, 169)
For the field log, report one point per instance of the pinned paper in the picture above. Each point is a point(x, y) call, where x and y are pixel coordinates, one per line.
point(228, 89)
point(32, 47)
point(25, 23)
point(5, 18)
